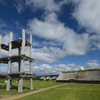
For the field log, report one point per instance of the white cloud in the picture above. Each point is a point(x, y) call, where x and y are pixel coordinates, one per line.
point(95, 41)
point(51, 43)
point(45, 69)
point(5, 39)
point(52, 29)
point(92, 64)
point(87, 14)
point(76, 44)
point(46, 5)
point(33, 5)
point(14, 67)
point(44, 55)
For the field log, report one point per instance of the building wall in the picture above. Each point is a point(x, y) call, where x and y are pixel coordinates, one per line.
point(83, 76)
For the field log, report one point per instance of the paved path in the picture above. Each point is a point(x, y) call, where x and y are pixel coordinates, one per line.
point(13, 97)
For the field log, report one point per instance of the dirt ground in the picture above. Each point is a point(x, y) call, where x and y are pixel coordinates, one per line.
point(13, 97)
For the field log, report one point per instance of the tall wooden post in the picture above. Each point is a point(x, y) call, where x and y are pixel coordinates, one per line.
point(9, 64)
point(20, 85)
point(30, 53)
point(10, 47)
point(19, 61)
point(31, 83)
point(22, 51)
point(0, 49)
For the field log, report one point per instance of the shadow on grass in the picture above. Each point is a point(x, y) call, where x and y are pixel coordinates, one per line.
point(13, 87)
point(2, 86)
point(26, 87)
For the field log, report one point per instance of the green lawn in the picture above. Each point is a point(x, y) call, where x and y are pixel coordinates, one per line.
point(0, 96)
point(36, 85)
point(68, 92)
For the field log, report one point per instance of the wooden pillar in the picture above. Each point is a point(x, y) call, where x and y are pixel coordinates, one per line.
point(22, 51)
point(8, 86)
point(31, 83)
point(10, 47)
point(30, 53)
point(20, 84)
point(19, 61)
point(0, 49)
point(23, 41)
point(8, 83)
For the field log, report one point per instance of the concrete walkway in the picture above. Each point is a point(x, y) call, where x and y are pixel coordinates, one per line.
point(13, 97)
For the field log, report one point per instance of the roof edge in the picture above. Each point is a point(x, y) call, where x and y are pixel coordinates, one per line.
point(95, 69)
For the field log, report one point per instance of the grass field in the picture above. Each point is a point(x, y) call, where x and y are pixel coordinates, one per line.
point(36, 85)
point(0, 96)
point(68, 92)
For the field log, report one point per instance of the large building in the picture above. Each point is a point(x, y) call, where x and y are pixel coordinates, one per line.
point(85, 76)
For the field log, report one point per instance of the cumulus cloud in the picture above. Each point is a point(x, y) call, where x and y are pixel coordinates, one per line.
point(45, 69)
point(45, 55)
point(87, 14)
point(92, 64)
point(53, 29)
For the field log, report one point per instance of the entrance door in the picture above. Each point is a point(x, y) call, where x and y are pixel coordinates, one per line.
point(71, 80)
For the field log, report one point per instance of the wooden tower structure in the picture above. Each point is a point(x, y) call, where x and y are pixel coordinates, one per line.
point(20, 58)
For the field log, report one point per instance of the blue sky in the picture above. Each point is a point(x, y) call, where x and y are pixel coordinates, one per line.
point(66, 33)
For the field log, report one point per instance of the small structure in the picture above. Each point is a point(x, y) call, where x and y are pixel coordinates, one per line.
point(54, 77)
point(20, 44)
point(43, 78)
point(48, 78)
point(83, 76)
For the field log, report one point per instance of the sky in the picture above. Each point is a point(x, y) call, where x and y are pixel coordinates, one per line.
point(65, 33)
